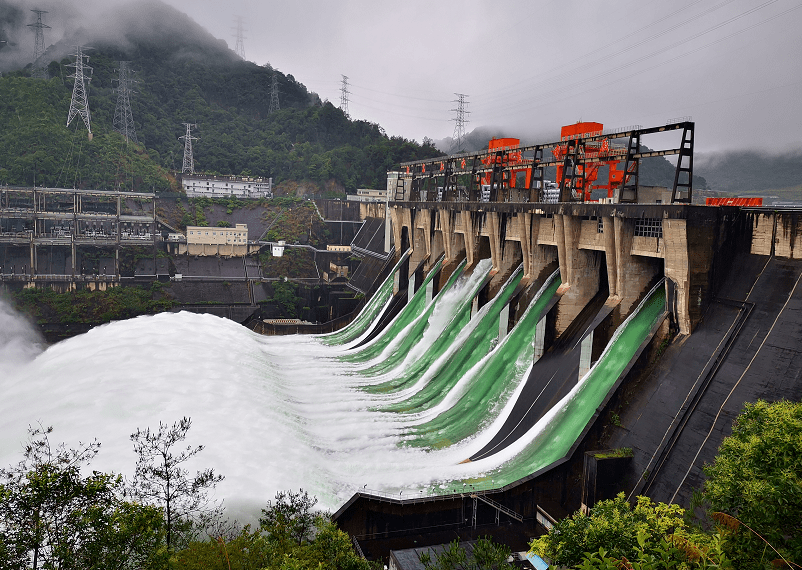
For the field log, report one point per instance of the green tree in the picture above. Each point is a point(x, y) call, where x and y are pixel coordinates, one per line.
point(485, 554)
point(51, 516)
point(324, 546)
point(757, 478)
point(614, 525)
point(246, 550)
point(161, 479)
point(290, 517)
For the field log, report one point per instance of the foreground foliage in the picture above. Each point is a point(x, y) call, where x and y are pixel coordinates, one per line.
point(484, 555)
point(757, 479)
point(53, 516)
point(91, 307)
point(614, 530)
point(752, 497)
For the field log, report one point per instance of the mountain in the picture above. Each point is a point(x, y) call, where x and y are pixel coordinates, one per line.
point(184, 75)
point(750, 172)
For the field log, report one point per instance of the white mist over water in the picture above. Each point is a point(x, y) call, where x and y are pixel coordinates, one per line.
point(273, 412)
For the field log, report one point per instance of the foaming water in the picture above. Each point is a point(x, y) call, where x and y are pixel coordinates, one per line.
point(19, 341)
point(273, 412)
point(280, 413)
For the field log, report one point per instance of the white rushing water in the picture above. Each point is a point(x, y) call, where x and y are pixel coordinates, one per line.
point(274, 413)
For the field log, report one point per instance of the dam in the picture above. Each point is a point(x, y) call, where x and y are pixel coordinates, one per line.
point(528, 349)
point(600, 335)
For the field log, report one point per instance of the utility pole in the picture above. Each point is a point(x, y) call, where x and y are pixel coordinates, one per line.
point(344, 96)
point(79, 104)
point(189, 162)
point(460, 120)
point(123, 117)
point(239, 46)
point(38, 70)
point(273, 94)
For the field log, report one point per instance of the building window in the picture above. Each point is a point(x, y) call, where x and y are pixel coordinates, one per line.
point(600, 228)
point(649, 227)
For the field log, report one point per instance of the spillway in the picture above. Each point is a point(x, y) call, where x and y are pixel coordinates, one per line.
point(399, 414)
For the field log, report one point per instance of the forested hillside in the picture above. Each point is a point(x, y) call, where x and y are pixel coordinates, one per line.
point(184, 75)
point(750, 172)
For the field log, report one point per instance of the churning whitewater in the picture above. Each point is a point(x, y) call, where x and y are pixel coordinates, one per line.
point(398, 415)
point(273, 412)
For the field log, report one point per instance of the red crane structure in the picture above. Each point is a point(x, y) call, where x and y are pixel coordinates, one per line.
point(509, 172)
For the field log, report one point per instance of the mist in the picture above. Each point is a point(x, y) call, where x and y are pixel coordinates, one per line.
point(20, 342)
point(118, 23)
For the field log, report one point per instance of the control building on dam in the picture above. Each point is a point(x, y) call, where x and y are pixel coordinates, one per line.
point(655, 320)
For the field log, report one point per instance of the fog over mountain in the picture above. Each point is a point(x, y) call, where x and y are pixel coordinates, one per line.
point(752, 172)
point(123, 25)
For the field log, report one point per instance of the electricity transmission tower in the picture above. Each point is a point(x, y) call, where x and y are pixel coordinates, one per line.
point(79, 104)
point(38, 70)
point(123, 118)
point(460, 120)
point(189, 162)
point(273, 94)
point(344, 95)
point(239, 47)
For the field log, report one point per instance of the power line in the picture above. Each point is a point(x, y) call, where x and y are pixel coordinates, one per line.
point(38, 70)
point(189, 162)
point(431, 119)
point(401, 96)
point(569, 91)
point(123, 117)
point(460, 120)
point(239, 46)
point(79, 105)
point(344, 95)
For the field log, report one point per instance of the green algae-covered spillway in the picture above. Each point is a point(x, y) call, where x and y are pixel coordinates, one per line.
point(449, 384)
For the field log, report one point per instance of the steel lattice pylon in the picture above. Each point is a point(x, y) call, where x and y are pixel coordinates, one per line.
point(123, 117)
point(189, 163)
point(39, 71)
point(274, 94)
point(344, 95)
point(459, 123)
point(239, 47)
point(79, 104)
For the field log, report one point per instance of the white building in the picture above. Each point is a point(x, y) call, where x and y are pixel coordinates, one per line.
point(206, 235)
point(197, 185)
point(368, 195)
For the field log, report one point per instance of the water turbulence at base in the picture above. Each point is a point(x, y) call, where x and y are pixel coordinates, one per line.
point(400, 413)
point(361, 325)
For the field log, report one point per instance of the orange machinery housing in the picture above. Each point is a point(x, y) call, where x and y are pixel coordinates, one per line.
point(507, 153)
point(748, 202)
point(598, 153)
point(510, 158)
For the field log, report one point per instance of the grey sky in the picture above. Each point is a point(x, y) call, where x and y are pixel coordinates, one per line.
point(529, 67)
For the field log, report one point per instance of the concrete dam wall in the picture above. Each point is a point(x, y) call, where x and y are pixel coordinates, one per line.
point(599, 300)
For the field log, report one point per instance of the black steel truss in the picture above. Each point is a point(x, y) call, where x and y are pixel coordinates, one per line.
point(440, 177)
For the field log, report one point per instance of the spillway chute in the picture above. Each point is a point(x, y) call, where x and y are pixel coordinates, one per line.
point(370, 313)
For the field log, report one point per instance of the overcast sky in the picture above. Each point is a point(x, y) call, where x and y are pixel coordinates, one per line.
point(528, 67)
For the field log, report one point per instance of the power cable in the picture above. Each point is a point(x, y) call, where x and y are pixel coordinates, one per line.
point(630, 47)
point(662, 51)
point(595, 88)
